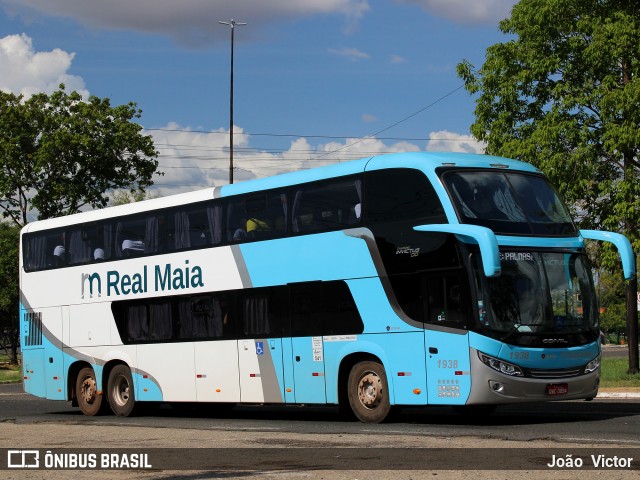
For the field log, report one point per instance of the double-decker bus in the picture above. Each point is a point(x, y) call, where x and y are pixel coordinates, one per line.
point(402, 279)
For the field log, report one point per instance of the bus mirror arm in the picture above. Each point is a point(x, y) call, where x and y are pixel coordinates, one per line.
point(622, 244)
point(482, 236)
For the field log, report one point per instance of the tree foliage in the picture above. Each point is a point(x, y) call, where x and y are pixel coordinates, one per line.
point(612, 301)
point(122, 197)
point(9, 296)
point(563, 93)
point(59, 153)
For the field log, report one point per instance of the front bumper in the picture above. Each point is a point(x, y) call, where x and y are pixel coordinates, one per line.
point(492, 387)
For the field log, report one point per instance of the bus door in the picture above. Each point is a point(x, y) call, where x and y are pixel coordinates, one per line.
point(307, 352)
point(261, 315)
point(447, 352)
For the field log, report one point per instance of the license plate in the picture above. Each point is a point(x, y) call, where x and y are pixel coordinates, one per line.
point(557, 389)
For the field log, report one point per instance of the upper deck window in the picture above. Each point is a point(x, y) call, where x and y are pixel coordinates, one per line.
point(401, 194)
point(509, 203)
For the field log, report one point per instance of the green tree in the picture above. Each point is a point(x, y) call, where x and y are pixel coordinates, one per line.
point(9, 335)
point(59, 153)
point(612, 301)
point(563, 93)
point(122, 197)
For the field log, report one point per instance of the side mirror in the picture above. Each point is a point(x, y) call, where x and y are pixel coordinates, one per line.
point(622, 244)
point(482, 236)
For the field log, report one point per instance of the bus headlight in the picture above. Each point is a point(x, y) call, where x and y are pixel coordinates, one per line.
point(593, 365)
point(501, 366)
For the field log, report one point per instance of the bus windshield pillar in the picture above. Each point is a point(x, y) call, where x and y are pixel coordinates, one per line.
point(483, 236)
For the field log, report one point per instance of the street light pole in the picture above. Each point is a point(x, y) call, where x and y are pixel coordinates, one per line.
point(232, 24)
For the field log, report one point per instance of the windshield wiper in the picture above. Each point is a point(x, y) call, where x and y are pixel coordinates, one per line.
point(517, 328)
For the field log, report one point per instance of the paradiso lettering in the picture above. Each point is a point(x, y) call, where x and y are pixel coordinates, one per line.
point(163, 278)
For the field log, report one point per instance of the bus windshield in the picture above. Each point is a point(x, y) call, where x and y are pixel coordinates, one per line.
point(508, 203)
point(538, 294)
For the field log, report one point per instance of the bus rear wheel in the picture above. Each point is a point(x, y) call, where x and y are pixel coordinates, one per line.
point(368, 392)
point(88, 394)
point(120, 391)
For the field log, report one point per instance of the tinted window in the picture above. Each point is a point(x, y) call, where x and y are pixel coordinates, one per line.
point(188, 227)
point(327, 206)
point(509, 203)
point(201, 316)
point(401, 194)
point(149, 321)
point(340, 313)
point(323, 308)
point(45, 250)
point(261, 312)
point(194, 227)
point(307, 309)
point(437, 299)
point(136, 236)
point(257, 217)
point(90, 242)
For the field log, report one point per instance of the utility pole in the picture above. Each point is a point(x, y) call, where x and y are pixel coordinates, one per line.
point(232, 24)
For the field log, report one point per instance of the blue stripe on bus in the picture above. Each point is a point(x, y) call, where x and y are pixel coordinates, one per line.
point(326, 256)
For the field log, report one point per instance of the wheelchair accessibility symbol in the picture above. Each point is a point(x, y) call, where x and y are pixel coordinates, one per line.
point(259, 348)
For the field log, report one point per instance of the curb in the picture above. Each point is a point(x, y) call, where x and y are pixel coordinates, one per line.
point(618, 395)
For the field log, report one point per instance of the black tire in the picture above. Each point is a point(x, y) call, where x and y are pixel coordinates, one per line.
point(88, 393)
point(120, 391)
point(368, 392)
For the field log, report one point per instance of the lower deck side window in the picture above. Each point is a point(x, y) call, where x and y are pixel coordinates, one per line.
point(437, 299)
point(307, 309)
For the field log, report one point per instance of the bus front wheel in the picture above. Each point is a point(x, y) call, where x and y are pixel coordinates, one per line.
point(88, 394)
point(368, 392)
point(120, 391)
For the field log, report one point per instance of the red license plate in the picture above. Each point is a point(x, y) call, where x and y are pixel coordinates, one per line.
point(557, 389)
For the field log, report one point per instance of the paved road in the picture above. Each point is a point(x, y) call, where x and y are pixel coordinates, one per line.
point(615, 351)
point(599, 421)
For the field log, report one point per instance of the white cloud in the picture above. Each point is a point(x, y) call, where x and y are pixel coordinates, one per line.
point(25, 71)
point(189, 21)
point(368, 118)
point(397, 59)
point(469, 12)
point(192, 160)
point(352, 54)
point(445, 141)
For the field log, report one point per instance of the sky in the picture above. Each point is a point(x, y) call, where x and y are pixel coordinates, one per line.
point(315, 81)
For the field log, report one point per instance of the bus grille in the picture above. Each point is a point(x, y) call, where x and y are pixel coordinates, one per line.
point(556, 373)
point(34, 332)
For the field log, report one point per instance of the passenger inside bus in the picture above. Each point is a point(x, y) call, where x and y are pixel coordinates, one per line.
point(255, 227)
point(59, 254)
point(132, 247)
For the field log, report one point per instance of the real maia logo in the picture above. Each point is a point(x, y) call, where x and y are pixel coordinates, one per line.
point(159, 278)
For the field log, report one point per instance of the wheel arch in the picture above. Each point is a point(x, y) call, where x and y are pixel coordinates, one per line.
point(347, 363)
point(101, 373)
point(72, 377)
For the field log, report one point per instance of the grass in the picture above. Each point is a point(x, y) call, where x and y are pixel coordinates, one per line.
point(9, 372)
point(614, 374)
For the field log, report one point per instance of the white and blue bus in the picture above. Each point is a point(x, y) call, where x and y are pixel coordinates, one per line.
point(403, 279)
